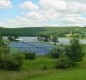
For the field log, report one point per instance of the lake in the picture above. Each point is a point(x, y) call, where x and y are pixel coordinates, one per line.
point(61, 40)
point(31, 44)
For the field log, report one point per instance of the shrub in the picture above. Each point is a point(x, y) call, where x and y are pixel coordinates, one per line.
point(30, 56)
point(56, 52)
point(11, 62)
point(62, 62)
point(19, 58)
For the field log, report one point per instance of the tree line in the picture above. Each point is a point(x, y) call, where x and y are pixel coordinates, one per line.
point(35, 31)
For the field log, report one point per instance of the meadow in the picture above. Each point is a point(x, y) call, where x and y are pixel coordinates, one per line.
point(34, 70)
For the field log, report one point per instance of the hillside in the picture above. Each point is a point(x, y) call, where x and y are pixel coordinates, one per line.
point(34, 31)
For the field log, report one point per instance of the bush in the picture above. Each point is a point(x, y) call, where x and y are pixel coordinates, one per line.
point(19, 58)
point(55, 53)
point(30, 56)
point(11, 62)
point(63, 62)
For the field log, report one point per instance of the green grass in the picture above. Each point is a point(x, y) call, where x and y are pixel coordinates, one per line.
point(29, 69)
point(78, 74)
point(33, 70)
point(38, 63)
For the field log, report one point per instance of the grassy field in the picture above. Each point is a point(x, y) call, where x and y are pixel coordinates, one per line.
point(34, 70)
point(30, 68)
point(76, 73)
point(79, 74)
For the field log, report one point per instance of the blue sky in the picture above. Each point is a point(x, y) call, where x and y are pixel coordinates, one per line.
point(11, 12)
point(39, 13)
point(15, 10)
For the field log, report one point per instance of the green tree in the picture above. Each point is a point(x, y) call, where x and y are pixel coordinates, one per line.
point(1, 40)
point(55, 39)
point(46, 38)
point(15, 37)
point(74, 51)
point(10, 38)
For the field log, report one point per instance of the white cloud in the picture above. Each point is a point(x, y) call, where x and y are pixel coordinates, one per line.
point(81, 1)
point(76, 7)
point(5, 4)
point(67, 6)
point(28, 5)
point(36, 19)
point(43, 15)
point(34, 15)
point(50, 12)
point(53, 4)
point(74, 19)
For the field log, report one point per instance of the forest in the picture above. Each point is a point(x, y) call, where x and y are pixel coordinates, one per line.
point(35, 31)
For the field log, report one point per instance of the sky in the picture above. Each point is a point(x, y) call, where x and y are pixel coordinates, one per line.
point(39, 13)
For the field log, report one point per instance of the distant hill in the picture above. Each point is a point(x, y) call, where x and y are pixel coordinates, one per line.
point(34, 31)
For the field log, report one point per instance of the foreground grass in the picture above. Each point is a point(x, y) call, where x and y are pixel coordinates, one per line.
point(23, 75)
point(76, 73)
point(79, 74)
point(30, 69)
point(33, 70)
